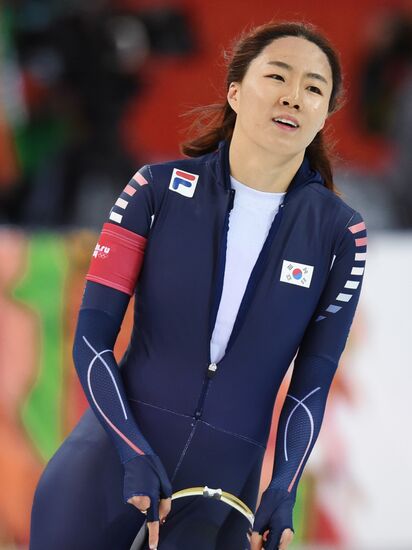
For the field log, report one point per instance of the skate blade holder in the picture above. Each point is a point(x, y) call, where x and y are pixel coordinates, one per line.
point(218, 494)
point(206, 492)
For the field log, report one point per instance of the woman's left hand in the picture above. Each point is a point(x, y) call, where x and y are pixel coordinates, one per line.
point(257, 542)
point(273, 524)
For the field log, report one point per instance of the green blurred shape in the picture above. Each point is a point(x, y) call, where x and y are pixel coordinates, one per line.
point(300, 512)
point(42, 289)
point(37, 142)
point(38, 136)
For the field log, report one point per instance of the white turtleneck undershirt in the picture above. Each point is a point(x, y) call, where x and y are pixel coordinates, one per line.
point(249, 223)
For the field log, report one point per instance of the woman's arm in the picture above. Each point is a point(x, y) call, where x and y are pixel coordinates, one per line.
point(314, 368)
point(111, 279)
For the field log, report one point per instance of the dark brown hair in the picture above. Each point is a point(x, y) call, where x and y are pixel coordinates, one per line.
point(216, 122)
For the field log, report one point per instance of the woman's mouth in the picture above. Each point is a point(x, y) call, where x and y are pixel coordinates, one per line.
point(285, 126)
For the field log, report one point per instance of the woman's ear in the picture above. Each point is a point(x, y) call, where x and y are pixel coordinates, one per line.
point(233, 96)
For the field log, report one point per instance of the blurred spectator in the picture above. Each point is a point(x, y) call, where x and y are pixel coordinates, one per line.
point(80, 65)
point(385, 109)
point(398, 178)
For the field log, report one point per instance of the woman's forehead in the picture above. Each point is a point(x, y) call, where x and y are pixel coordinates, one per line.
point(296, 53)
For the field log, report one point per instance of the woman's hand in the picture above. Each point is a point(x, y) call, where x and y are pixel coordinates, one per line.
point(273, 525)
point(143, 503)
point(147, 486)
point(257, 542)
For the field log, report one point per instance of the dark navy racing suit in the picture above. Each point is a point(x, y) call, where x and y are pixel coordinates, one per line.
point(208, 424)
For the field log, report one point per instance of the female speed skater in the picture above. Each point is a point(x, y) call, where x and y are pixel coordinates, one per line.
point(242, 257)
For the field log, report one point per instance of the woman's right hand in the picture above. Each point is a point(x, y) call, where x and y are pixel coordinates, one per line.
point(147, 486)
point(143, 503)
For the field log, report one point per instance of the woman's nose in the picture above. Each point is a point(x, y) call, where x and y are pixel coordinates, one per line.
point(290, 102)
point(291, 97)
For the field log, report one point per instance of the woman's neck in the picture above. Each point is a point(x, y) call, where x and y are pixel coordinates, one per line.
point(262, 170)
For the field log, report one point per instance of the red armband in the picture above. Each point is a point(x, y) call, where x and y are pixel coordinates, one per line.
point(117, 258)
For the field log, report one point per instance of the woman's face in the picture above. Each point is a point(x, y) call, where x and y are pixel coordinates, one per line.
point(279, 82)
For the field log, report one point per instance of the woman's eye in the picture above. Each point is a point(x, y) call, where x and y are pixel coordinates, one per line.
point(278, 76)
point(316, 88)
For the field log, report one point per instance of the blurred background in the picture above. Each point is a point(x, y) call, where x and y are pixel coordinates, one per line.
point(89, 92)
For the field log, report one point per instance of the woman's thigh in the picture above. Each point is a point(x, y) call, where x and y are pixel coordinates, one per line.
point(78, 501)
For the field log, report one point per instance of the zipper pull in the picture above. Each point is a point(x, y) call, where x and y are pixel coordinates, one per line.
point(211, 370)
point(231, 198)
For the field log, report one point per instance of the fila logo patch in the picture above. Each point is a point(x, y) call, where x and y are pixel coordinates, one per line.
point(296, 274)
point(183, 182)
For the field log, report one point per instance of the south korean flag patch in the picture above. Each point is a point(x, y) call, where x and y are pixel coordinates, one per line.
point(296, 274)
point(183, 182)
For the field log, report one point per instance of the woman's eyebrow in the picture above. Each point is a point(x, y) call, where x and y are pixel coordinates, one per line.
point(284, 65)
